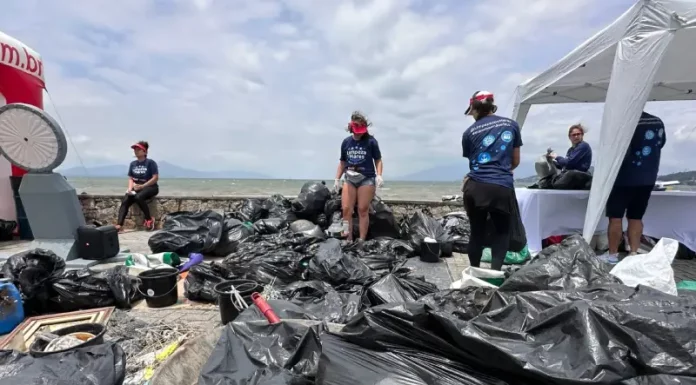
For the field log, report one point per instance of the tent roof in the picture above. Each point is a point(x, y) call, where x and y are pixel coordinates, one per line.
point(583, 75)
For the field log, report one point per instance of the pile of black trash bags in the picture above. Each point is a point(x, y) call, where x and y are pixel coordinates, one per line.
point(560, 319)
point(46, 286)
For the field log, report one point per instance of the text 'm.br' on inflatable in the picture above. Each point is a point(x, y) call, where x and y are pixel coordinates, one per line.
point(21, 81)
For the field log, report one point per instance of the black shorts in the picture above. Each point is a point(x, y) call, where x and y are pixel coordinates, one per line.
point(631, 201)
point(488, 196)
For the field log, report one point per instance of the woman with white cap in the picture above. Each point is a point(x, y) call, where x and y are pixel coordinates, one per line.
point(492, 145)
point(143, 176)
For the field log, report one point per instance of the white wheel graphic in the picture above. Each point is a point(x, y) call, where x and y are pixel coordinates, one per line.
point(31, 139)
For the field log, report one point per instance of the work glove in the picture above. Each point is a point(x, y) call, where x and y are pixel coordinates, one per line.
point(337, 185)
point(380, 181)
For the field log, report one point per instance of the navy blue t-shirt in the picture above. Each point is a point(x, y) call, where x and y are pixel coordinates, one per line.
point(642, 160)
point(577, 158)
point(142, 171)
point(488, 144)
point(360, 155)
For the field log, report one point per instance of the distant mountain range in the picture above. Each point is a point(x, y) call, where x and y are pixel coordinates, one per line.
point(166, 170)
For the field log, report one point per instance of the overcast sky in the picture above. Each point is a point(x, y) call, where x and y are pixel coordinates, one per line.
point(269, 85)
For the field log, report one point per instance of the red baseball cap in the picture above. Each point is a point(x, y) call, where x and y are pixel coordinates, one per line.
point(358, 128)
point(140, 146)
point(480, 96)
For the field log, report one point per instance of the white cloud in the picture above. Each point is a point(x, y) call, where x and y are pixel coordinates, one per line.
point(268, 85)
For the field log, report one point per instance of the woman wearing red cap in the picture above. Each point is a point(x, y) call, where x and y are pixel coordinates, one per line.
point(361, 162)
point(142, 185)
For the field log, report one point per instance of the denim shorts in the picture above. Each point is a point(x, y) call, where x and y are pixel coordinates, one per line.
point(365, 182)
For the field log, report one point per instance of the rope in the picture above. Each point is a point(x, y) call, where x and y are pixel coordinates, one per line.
point(67, 133)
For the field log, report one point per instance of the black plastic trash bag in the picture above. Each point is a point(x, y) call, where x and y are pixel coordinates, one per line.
point(333, 206)
point(33, 272)
point(311, 200)
point(86, 289)
point(201, 280)
point(399, 286)
point(322, 301)
point(382, 221)
point(332, 265)
point(572, 180)
point(382, 254)
point(188, 232)
point(465, 303)
point(269, 226)
point(279, 207)
point(568, 265)
point(457, 226)
point(251, 210)
point(345, 363)
point(421, 226)
point(103, 364)
point(6, 229)
point(605, 335)
point(261, 354)
point(307, 229)
point(235, 232)
point(396, 344)
point(282, 266)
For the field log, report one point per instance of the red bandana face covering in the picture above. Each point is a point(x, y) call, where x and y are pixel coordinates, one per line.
point(357, 128)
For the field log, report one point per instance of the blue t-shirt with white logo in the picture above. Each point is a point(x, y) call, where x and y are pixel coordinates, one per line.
point(489, 144)
point(360, 155)
point(642, 160)
point(142, 171)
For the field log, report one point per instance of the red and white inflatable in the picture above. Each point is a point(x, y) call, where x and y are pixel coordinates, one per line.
point(21, 81)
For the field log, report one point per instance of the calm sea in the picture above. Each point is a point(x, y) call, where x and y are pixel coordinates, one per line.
point(265, 187)
point(430, 191)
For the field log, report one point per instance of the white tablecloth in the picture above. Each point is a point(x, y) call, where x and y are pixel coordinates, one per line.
point(545, 213)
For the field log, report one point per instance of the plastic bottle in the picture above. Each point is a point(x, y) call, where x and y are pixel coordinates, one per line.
point(346, 228)
point(11, 306)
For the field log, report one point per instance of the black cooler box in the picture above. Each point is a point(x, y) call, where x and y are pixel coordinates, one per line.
point(97, 243)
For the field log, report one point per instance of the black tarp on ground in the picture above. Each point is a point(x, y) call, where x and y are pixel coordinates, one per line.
point(188, 232)
point(103, 364)
point(260, 354)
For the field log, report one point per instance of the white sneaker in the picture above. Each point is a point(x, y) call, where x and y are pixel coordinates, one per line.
point(609, 258)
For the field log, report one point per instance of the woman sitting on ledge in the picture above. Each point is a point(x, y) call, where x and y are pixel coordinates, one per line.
point(142, 185)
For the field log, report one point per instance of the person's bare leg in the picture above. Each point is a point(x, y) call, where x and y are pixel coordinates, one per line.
point(635, 232)
point(615, 234)
point(365, 195)
point(348, 198)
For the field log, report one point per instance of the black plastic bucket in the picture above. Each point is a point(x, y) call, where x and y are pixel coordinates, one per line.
point(159, 287)
point(228, 312)
point(430, 252)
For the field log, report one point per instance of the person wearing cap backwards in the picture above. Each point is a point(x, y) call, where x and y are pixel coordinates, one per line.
point(361, 162)
point(492, 145)
point(143, 176)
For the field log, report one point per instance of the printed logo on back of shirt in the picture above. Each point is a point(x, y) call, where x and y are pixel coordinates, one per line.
point(488, 140)
point(649, 134)
point(484, 158)
point(647, 150)
point(506, 136)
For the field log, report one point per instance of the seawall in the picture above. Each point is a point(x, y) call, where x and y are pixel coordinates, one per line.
point(104, 208)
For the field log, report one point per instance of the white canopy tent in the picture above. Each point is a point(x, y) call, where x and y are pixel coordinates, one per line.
point(647, 54)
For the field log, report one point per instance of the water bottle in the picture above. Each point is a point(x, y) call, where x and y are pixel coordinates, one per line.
point(11, 306)
point(345, 228)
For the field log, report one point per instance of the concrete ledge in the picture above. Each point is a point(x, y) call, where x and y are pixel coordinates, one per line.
point(104, 208)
